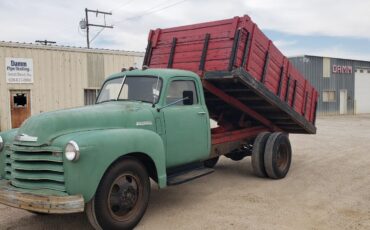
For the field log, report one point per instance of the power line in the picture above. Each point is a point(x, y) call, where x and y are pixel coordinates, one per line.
point(151, 11)
point(122, 5)
point(158, 10)
point(97, 34)
point(156, 6)
point(147, 10)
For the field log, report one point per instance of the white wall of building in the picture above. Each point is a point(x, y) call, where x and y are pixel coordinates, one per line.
point(60, 75)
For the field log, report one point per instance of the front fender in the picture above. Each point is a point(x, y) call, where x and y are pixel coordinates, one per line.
point(100, 148)
point(8, 138)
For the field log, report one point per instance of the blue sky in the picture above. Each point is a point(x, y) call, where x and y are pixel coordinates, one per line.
point(336, 28)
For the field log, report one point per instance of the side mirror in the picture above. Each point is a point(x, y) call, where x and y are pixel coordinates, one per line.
point(188, 97)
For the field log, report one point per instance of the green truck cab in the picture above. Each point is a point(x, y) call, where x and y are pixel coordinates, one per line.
point(98, 159)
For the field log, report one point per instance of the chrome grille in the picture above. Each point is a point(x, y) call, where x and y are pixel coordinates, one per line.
point(8, 164)
point(36, 170)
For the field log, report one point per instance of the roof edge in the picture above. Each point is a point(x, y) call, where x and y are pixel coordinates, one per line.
point(68, 48)
point(308, 55)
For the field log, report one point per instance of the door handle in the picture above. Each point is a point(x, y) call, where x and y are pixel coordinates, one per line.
point(201, 113)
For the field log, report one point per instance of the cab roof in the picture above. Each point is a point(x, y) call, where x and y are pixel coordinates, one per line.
point(164, 73)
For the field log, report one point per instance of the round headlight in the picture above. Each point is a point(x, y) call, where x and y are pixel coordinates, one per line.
point(1, 143)
point(72, 151)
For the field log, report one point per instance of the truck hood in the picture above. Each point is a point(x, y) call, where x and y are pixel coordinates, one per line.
point(41, 129)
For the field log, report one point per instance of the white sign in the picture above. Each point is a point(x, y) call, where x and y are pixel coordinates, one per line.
point(19, 70)
point(342, 69)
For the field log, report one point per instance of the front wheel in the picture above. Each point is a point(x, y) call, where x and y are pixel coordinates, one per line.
point(121, 198)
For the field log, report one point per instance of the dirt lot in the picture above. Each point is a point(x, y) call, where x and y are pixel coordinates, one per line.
point(328, 187)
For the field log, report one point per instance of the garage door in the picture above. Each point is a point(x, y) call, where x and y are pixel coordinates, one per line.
point(362, 91)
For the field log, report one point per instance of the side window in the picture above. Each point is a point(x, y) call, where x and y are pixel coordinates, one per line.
point(176, 89)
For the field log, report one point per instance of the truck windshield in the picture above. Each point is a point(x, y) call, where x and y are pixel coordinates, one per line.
point(135, 88)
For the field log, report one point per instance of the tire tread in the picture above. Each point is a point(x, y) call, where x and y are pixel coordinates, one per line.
point(270, 152)
point(258, 151)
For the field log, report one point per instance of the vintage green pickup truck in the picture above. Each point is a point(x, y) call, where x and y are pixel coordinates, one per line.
point(155, 123)
point(151, 123)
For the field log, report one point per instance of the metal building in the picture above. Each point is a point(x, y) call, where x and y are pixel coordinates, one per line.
point(37, 78)
point(344, 84)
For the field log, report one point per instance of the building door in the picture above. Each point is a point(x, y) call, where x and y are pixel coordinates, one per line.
point(343, 101)
point(362, 92)
point(20, 106)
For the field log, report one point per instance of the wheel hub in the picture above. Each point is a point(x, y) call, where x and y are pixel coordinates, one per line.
point(282, 157)
point(129, 197)
point(123, 196)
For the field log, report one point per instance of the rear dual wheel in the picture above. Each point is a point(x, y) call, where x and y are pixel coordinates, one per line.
point(258, 153)
point(278, 155)
point(271, 155)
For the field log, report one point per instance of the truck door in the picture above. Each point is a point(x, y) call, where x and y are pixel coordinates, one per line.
point(186, 125)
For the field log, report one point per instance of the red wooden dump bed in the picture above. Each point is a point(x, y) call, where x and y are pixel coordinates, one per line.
point(248, 82)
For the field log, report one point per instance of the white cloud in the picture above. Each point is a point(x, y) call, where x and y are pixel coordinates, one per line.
point(314, 17)
point(290, 49)
point(284, 43)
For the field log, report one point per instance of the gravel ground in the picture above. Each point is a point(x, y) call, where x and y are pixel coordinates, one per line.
point(328, 187)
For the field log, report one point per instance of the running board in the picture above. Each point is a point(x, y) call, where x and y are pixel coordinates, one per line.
point(185, 176)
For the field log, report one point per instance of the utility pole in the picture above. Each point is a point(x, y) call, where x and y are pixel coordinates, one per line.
point(45, 42)
point(87, 28)
point(87, 24)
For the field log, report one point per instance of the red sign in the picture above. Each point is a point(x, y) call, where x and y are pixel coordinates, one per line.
point(342, 69)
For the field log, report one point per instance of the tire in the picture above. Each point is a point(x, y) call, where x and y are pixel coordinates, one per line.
point(121, 198)
point(258, 152)
point(278, 155)
point(210, 163)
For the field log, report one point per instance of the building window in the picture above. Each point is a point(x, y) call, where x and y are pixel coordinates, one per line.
point(328, 96)
point(368, 71)
point(361, 70)
point(20, 100)
point(90, 96)
point(326, 67)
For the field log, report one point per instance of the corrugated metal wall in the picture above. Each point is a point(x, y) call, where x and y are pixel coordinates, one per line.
point(95, 69)
point(315, 69)
point(338, 82)
point(60, 75)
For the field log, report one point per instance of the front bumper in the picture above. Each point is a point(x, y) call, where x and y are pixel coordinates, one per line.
point(39, 203)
